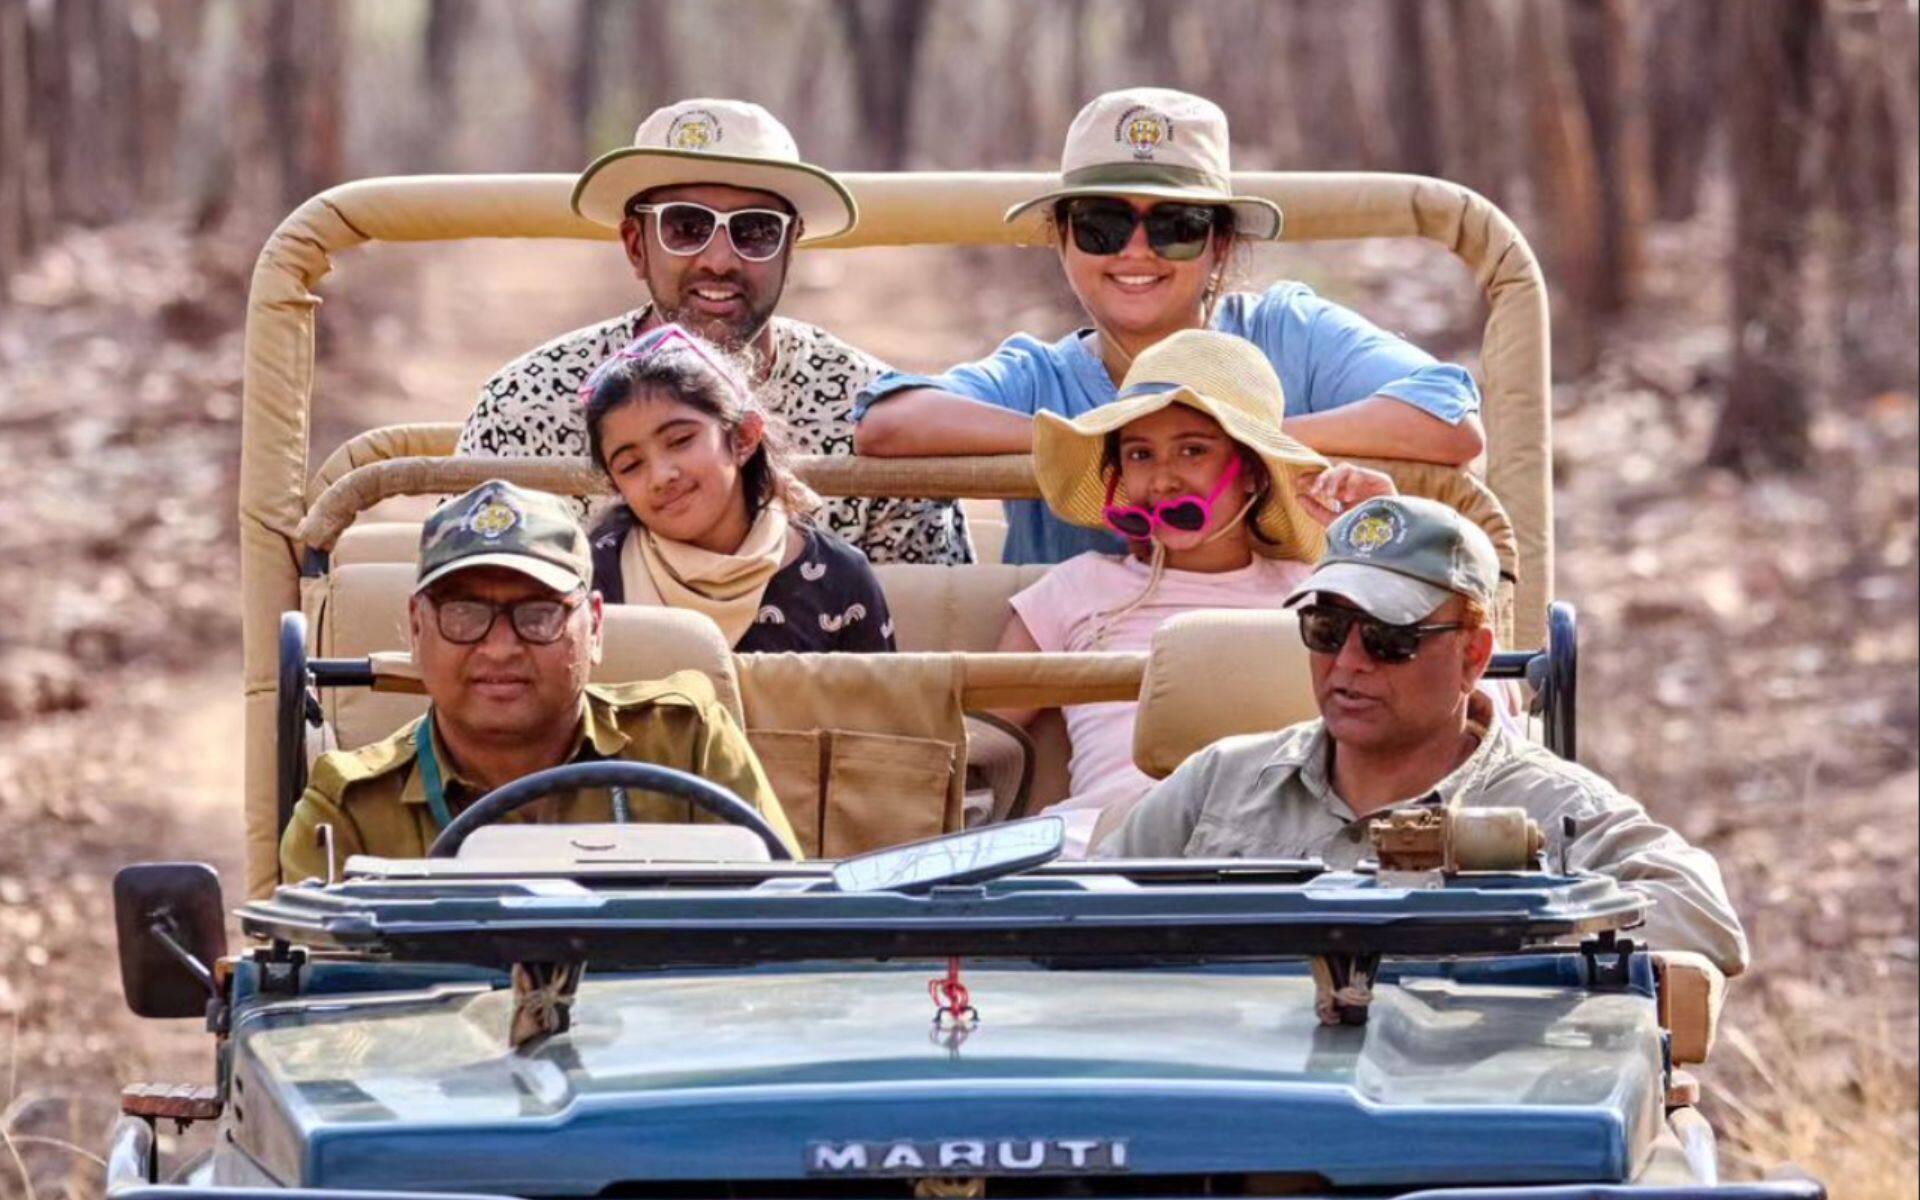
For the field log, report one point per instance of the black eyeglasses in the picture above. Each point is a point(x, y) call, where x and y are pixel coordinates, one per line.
point(539, 622)
point(1176, 232)
point(1324, 629)
point(684, 228)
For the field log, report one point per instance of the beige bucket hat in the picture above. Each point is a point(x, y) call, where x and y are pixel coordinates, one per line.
point(1223, 376)
point(715, 141)
point(1153, 142)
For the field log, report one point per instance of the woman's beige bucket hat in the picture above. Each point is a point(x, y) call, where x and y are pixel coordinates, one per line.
point(715, 141)
point(1223, 376)
point(1153, 142)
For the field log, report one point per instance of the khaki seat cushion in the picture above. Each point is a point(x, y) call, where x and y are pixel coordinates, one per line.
point(952, 608)
point(1215, 673)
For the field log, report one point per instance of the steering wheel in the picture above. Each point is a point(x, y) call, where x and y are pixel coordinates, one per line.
point(708, 797)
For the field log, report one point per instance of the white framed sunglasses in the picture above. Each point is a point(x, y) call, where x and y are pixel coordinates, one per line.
point(684, 228)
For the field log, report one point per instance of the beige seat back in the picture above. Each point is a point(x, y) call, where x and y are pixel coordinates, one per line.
point(1216, 673)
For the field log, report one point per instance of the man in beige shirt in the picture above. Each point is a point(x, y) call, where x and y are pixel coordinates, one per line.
point(1399, 633)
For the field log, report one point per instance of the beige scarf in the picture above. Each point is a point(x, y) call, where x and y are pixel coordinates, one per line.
point(726, 587)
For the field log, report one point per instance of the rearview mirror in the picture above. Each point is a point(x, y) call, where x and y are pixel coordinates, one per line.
point(172, 927)
point(969, 857)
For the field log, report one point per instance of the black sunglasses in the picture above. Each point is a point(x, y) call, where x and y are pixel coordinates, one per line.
point(1324, 629)
point(1176, 232)
point(539, 622)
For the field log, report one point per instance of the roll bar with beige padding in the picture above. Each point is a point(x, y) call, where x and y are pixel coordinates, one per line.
point(896, 209)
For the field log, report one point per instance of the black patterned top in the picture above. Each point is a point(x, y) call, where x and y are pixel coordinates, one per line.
point(531, 408)
point(826, 599)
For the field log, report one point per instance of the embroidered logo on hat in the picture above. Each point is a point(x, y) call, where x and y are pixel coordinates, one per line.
point(1143, 129)
point(493, 519)
point(695, 129)
point(1369, 531)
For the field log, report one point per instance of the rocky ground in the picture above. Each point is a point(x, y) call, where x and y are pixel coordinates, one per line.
point(1749, 650)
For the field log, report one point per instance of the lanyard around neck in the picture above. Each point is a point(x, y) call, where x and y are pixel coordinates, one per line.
point(431, 783)
point(430, 779)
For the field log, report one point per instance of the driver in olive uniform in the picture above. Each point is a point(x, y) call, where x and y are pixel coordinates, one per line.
point(504, 630)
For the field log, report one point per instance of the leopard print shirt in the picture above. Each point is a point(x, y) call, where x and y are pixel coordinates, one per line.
point(531, 408)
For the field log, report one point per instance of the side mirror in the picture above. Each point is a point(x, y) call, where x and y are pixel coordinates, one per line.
point(172, 927)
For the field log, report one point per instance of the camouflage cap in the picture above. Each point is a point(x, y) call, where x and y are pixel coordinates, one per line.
point(1401, 557)
point(500, 525)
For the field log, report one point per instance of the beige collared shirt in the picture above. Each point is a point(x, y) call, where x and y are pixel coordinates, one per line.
point(1271, 796)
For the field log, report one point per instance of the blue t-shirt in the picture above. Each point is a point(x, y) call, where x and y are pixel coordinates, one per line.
point(1325, 355)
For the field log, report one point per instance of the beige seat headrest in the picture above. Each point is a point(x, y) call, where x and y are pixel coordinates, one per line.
point(1215, 673)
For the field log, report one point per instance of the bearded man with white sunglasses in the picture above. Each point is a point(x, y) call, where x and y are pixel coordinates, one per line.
point(710, 201)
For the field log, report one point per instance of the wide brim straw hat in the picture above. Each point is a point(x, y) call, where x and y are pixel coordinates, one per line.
point(1223, 376)
point(1156, 143)
point(715, 141)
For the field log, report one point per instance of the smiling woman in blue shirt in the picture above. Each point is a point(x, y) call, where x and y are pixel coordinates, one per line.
point(1146, 223)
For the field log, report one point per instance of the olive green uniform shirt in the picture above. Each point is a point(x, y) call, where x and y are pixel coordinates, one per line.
point(376, 800)
point(1270, 795)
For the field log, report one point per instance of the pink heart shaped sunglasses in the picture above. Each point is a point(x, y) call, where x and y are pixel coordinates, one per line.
point(1183, 514)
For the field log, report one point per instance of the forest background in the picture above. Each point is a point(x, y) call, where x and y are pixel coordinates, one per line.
point(1723, 195)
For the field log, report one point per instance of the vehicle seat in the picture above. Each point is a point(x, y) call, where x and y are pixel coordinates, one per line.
point(1213, 674)
point(1216, 673)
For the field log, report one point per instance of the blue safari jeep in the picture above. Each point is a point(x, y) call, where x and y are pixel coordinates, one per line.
point(636, 1010)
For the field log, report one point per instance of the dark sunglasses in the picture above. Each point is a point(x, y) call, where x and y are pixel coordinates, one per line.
point(539, 622)
point(1324, 629)
point(684, 228)
point(1176, 232)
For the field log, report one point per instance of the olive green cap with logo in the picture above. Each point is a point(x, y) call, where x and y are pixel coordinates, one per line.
point(500, 525)
point(1400, 557)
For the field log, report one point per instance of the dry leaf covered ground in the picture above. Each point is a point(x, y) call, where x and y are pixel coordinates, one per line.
point(1748, 668)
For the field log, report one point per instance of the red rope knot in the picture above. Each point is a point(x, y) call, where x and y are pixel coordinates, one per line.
point(952, 1004)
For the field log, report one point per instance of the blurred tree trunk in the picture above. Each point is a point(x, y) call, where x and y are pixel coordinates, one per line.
point(1684, 98)
point(1565, 185)
point(1244, 45)
point(300, 83)
point(1479, 154)
point(1156, 42)
point(1868, 169)
point(654, 30)
point(1077, 72)
point(1416, 115)
point(16, 146)
point(441, 42)
point(1341, 135)
point(883, 42)
point(544, 50)
point(1602, 38)
point(583, 81)
point(1770, 48)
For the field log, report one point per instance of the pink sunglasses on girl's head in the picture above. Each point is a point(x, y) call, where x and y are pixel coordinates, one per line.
point(1183, 514)
point(655, 341)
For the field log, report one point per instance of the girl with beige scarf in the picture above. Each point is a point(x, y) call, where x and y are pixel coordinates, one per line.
point(712, 518)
